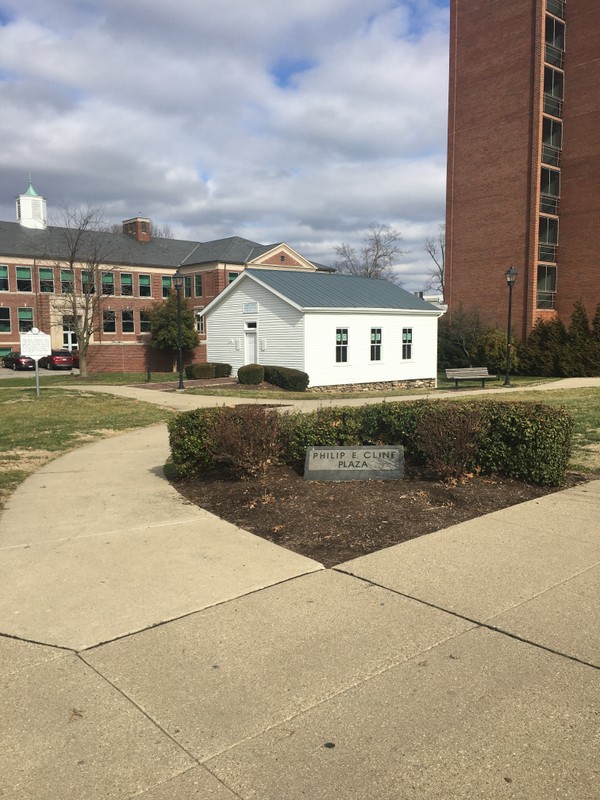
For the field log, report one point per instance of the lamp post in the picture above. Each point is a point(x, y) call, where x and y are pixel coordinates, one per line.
point(511, 278)
point(178, 281)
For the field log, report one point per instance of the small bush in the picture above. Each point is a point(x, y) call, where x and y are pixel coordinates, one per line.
point(449, 435)
point(222, 370)
point(251, 374)
point(189, 438)
point(199, 371)
point(246, 440)
point(206, 370)
point(292, 380)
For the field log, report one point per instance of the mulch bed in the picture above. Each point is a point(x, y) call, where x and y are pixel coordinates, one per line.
point(334, 522)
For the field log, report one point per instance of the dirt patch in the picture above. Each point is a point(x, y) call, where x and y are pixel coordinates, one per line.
point(334, 522)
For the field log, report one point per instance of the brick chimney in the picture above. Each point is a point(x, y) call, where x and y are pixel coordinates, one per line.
point(138, 227)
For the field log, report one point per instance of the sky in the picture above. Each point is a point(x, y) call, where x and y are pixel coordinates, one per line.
point(301, 122)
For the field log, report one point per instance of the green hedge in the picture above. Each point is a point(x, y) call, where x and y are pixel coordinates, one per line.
point(209, 369)
point(292, 380)
point(251, 374)
point(528, 441)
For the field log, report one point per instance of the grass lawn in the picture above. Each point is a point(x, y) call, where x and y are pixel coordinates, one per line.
point(33, 430)
point(71, 379)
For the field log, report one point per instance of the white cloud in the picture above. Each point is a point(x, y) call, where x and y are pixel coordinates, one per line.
point(302, 124)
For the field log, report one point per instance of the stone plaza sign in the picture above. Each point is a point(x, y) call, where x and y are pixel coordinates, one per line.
point(354, 463)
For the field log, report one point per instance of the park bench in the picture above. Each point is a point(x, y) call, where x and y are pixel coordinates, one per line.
point(470, 374)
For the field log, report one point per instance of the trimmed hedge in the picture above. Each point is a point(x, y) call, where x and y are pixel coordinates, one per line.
point(209, 369)
point(251, 374)
point(528, 441)
point(292, 380)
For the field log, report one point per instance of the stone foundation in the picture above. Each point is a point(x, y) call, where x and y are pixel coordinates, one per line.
point(380, 386)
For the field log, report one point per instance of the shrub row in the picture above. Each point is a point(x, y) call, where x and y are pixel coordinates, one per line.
point(528, 441)
point(292, 380)
point(210, 369)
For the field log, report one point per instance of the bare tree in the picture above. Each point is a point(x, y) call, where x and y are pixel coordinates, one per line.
point(84, 277)
point(437, 250)
point(375, 258)
point(163, 231)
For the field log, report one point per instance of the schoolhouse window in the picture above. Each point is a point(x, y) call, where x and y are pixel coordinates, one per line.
point(341, 345)
point(407, 343)
point(375, 344)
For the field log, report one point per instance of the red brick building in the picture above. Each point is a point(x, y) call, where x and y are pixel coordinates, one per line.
point(523, 158)
point(135, 270)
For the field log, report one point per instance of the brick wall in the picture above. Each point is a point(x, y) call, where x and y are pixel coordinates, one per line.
point(579, 237)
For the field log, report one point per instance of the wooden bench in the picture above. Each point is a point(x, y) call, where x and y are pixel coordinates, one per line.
point(470, 374)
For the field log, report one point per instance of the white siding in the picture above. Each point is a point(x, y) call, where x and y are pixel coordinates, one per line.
point(280, 328)
point(320, 363)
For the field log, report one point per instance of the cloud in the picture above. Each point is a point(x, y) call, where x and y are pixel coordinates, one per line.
point(302, 124)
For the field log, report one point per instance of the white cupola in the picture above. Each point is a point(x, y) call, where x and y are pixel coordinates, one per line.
point(31, 209)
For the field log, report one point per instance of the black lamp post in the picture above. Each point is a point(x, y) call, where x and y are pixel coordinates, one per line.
point(511, 278)
point(178, 281)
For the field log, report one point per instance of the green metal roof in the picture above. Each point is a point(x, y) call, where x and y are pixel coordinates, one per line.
point(31, 191)
point(309, 290)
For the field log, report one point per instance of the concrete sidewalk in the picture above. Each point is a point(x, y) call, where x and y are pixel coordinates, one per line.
point(148, 649)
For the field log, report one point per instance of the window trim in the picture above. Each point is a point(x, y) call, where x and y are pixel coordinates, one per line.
point(105, 283)
point(145, 322)
point(145, 285)
point(9, 319)
point(27, 280)
point(131, 320)
point(126, 288)
point(107, 315)
point(376, 346)
point(341, 346)
point(407, 344)
point(4, 267)
point(29, 311)
point(166, 285)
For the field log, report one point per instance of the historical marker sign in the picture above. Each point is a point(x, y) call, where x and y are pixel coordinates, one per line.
point(35, 344)
point(354, 463)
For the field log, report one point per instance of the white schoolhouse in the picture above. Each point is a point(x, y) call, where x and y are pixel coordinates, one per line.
point(341, 330)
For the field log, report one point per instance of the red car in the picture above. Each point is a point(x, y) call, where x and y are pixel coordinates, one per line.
point(15, 360)
point(58, 359)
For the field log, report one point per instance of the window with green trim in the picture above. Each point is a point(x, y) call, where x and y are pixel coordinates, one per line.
point(127, 325)
point(145, 325)
point(108, 283)
point(375, 344)
point(24, 279)
point(109, 322)
point(166, 285)
point(4, 320)
point(25, 319)
point(198, 285)
point(341, 345)
point(46, 275)
point(126, 284)
point(187, 285)
point(144, 282)
point(87, 282)
point(3, 277)
point(67, 281)
point(232, 276)
point(407, 338)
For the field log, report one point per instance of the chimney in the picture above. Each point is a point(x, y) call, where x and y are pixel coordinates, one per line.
point(138, 227)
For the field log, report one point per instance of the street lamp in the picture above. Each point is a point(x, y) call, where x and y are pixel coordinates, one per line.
point(178, 281)
point(511, 278)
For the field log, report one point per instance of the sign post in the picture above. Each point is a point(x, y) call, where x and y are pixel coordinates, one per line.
point(36, 345)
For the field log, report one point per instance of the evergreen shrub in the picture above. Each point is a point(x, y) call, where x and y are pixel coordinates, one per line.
point(292, 380)
point(251, 374)
point(199, 371)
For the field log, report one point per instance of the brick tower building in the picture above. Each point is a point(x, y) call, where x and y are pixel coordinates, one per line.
point(524, 158)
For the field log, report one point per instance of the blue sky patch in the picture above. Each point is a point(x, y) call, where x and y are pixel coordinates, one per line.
point(285, 70)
